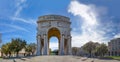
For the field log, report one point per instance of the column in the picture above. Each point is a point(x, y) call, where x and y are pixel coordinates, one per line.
point(113, 53)
point(110, 53)
point(69, 45)
point(62, 45)
point(45, 45)
point(38, 45)
point(117, 53)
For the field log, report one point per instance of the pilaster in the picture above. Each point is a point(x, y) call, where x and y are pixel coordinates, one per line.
point(45, 45)
point(62, 45)
point(38, 45)
point(69, 45)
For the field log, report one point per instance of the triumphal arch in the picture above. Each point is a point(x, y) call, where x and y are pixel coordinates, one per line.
point(53, 25)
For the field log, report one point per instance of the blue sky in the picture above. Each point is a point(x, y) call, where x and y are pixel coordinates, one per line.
point(94, 20)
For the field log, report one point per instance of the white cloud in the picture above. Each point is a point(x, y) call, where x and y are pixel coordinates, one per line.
point(19, 7)
point(84, 11)
point(7, 31)
point(29, 21)
point(53, 45)
point(18, 11)
point(15, 27)
point(90, 24)
point(117, 36)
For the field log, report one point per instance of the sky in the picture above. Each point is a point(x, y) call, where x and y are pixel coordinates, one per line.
point(92, 20)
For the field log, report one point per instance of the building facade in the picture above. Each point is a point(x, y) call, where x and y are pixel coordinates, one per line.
point(114, 47)
point(53, 25)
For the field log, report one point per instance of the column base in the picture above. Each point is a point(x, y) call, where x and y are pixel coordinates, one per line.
point(38, 54)
point(61, 53)
point(45, 53)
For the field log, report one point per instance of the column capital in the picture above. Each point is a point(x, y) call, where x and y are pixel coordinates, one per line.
point(39, 35)
point(63, 34)
point(69, 36)
point(44, 35)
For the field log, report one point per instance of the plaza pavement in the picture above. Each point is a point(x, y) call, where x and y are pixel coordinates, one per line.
point(57, 59)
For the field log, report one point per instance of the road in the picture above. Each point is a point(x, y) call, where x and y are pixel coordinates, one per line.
point(57, 59)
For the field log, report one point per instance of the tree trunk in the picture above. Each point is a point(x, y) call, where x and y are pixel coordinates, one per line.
point(32, 53)
point(90, 53)
point(17, 54)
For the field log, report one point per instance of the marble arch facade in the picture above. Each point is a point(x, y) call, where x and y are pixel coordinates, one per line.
point(53, 25)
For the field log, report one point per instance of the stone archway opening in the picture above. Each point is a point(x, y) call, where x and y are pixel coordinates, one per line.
point(54, 32)
point(53, 46)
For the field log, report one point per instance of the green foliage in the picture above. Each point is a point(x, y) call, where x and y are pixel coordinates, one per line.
point(50, 50)
point(55, 52)
point(74, 50)
point(114, 57)
point(30, 48)
point(90, 47)
point(17, 45)
point(102, 49)
point(6, 49)
point(14, 47)
point(95, 48)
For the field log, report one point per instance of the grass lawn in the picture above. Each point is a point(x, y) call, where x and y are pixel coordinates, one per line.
point(114, 57)
point(52, 53)
point(0, 58)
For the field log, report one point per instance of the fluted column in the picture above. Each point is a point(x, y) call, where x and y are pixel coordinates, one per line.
point(69, 45)
point(38, 45)
point(45, 45)
point(62, 45)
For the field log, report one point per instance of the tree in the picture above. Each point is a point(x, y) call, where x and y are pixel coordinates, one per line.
point(55, 52)
point(17, 45)
point(50, 50)
point(30, 48)
point(74, 50)
point(6, 49)
point(89, 47)
point(33, 46)
point(102, 49)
